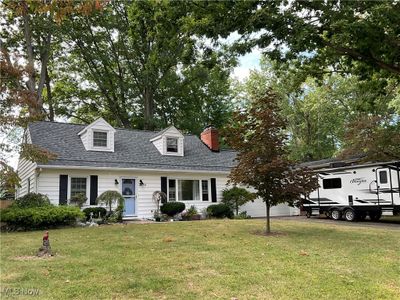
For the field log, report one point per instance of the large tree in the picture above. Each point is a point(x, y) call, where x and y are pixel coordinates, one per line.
point(138, 65)
point(258, 135)
point(321, 111)
point(361, 36)
point(29, 38)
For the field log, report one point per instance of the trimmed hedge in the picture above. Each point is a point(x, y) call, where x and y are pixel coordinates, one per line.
point(96, 212)
point(40, 217)
point(219, 211)
point(172, 208)
point(32, 200)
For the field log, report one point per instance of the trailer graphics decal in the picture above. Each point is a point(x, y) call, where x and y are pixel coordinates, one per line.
point(358, 181)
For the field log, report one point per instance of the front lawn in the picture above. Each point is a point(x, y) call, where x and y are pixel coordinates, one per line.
point(207, 260)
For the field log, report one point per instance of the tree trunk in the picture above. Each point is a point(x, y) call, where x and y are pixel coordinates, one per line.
point(268, 226)
point(49, 98)
point(148, 109)
point(29, 51)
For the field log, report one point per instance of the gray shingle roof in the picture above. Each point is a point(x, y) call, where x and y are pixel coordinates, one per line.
point(132, 149)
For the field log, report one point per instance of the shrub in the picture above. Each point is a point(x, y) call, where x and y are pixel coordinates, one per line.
point(219, 211)
point(242, 215)
point(40, 217)
point(98, 212)
point(109, 198)
point(236, 197)
point(78, 199)
point(32, 200)
point(172, 208)
point(191, 214)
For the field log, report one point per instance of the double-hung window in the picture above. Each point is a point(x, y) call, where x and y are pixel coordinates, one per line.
point(78, 185)
point(99, 139)
point(172, 145)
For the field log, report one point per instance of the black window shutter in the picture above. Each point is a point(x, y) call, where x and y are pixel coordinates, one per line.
point(63, 191)
point(213, 190)
point(164, 185)
point(93, 189)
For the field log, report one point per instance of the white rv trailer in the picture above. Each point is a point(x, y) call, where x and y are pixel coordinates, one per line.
point(354, 191)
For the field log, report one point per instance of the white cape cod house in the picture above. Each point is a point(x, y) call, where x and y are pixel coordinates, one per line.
point(94, 158)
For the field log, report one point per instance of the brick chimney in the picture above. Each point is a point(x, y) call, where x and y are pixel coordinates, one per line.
point(210, 137)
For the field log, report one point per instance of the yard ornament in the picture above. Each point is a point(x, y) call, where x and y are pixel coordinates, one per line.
point(45, 249)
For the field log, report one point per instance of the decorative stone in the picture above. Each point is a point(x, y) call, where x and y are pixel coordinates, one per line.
point(45, 249)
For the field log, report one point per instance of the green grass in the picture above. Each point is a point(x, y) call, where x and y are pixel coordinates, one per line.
point(207, 260)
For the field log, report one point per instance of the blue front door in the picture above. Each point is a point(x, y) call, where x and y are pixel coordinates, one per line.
point(129, 194)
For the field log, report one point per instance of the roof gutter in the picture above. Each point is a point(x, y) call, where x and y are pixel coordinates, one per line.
point(129, 169)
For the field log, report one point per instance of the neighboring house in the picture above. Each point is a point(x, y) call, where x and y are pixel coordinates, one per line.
point(94, 158)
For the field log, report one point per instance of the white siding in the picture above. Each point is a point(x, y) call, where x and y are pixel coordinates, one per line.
point(158, 143)
point(48, 183)
point(26, 171)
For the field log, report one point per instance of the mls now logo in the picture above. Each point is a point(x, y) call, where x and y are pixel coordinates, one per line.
point(12, 292)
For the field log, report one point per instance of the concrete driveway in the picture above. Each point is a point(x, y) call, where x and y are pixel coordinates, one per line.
point(386, 222)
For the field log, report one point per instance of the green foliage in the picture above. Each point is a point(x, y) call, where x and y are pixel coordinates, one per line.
point(191, 213)
point(149, 75)
point(109, 198)
point(242, 215)
point(319, 112)
point(9, 181)
point(40, 217)
point(172, 208)
point(219, 211)
point(78, 199)
point(31, 200)
point(348, 36)
point(98, 212)
point(258, 134)
point(236, 197)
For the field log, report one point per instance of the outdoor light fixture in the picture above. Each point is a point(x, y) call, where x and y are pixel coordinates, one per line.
point(116, 181)
point(141, 182)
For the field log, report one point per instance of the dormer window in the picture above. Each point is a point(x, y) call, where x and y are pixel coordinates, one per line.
point(99, 139)
point(98, 136)
point(169, 142)
point(172, 144)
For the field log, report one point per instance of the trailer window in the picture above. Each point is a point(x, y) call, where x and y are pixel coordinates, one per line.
point(383, 178)
point(332, 183)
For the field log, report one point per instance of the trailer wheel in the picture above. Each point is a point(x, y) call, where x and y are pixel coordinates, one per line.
point(308, 214)
point(336, 214)
point(350, 215)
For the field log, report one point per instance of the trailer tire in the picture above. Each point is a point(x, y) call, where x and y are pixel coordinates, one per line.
point(336, 214)
point(350, 215)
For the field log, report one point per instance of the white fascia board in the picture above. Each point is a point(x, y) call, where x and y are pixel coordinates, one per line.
point(94, 123)
point(129, 169)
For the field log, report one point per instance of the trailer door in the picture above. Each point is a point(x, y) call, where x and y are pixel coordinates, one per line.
point(384, 185)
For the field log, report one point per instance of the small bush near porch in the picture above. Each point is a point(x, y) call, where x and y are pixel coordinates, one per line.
point(206, 260)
